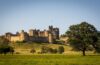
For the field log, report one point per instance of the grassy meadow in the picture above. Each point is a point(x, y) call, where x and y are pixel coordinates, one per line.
point(49, 59)
point(69, 57)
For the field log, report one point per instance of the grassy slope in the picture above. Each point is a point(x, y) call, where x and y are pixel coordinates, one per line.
point(24, 48)
point(49, 60)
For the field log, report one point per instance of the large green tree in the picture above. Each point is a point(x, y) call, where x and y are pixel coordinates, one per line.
point(82, 36)
point(97, 46)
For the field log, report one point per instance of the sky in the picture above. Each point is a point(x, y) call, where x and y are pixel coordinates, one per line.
point(17, 15)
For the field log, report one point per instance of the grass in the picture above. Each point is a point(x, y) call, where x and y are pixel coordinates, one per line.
point(68, 58)
point(49, 59)
point(24, 48)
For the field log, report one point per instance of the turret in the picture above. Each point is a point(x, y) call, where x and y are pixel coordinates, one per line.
point(50, 28)
point(31, 32)
point(24, 36)
point(50, 38)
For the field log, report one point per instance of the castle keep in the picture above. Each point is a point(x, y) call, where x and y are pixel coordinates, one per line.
point(34, 35)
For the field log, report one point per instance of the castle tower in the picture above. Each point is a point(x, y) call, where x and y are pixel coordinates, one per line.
point(31, 32)
point(45, 33)
point(50, 38)
point(24, 36)
point(8, 36)
point(51, 28)
point(55, 33)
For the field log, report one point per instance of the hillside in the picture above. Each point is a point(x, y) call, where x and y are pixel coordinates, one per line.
point(24, 48)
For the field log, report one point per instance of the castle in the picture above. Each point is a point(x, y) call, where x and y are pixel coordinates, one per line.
point(34, 35)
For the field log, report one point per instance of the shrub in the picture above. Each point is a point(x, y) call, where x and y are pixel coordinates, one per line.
point(17, 52)
point(33, 50)
point(54, 50)
point(6, 49)
point(45, 49)
point(60, 49)
point(49, 50)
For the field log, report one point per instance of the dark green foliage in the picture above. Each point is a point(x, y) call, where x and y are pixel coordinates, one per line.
point(33, 50)
point(6, 49)
point(59, 42)
point(20, 41)
point(4, 46)
point(97, 46)
point(11, 50)
point(60, 49)
point(54, 50)
point(45, 49)
point(81, 36)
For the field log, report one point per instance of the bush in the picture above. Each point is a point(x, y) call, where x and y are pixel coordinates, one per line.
point(60, 49)
point(33, 50)
point(6, 49)
point(11, 50)
point(45, 49)
point(17, 52)
point(20, 41)
point(54, 50)
point(50, 50)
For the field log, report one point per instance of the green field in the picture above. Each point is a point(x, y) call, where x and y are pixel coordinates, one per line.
point(49, 59)
point(69, 57)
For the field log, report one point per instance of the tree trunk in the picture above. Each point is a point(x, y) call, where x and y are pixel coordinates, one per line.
point(83, 52)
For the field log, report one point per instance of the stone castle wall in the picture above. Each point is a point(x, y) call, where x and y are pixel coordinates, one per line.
point(35, 35)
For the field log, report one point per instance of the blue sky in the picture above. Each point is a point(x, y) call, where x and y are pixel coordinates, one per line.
point(16, 15)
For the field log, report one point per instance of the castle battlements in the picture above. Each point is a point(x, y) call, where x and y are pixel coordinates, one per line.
point(35, 35)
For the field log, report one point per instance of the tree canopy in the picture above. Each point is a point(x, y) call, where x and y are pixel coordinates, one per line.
point(81, 36)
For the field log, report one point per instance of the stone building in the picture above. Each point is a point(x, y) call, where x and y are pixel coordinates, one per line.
point(34, 35)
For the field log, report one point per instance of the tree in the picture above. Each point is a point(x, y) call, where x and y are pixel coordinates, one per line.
point(4, 46)
point(60, 49)
point(97, 46)
point(81, 36)
point(6, 49)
